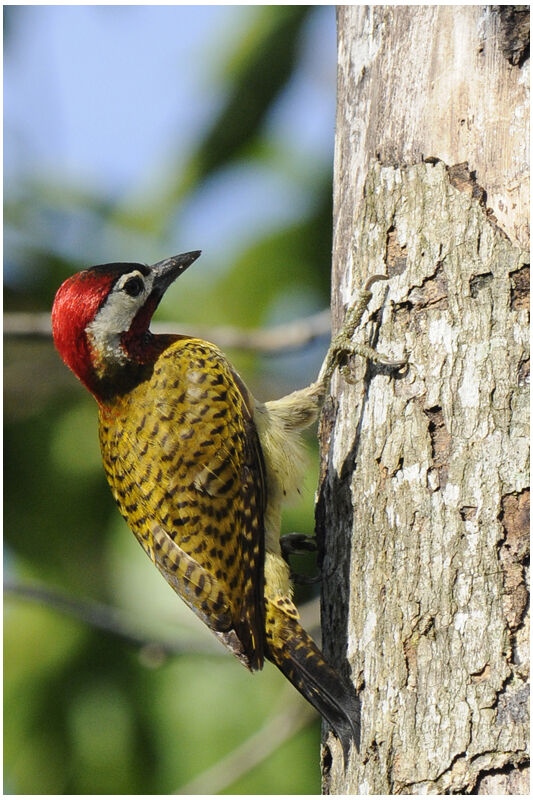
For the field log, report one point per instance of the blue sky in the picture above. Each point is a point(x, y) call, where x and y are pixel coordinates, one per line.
point(86, 104)
point(85, 86)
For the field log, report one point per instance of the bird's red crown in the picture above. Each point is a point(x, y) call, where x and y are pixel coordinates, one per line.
point(101, 316)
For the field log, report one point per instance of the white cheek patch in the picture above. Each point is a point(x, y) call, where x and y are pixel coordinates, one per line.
point(115, 317)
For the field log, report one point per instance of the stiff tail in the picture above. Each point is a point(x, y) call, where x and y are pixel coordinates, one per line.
point(293, 651)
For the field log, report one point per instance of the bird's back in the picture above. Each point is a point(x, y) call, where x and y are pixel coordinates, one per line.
point(184, 463)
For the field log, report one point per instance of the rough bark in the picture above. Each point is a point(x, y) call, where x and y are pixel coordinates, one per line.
point(424, 493)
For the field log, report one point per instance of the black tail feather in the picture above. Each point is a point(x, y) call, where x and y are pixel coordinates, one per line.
point(333, 696)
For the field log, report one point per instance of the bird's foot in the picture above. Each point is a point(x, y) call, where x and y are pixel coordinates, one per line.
point(299, 544)
point(370, 354)
point(342, 348)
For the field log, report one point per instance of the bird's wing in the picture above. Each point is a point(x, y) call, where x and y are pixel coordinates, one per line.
point(189, 479)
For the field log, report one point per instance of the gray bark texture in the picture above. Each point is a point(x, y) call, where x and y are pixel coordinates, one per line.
point(424, 494)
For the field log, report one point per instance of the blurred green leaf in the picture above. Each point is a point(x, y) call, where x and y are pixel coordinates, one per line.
point(258, 72)
point(86, 713)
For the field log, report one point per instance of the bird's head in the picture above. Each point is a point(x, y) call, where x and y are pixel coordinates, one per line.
point(101, 316)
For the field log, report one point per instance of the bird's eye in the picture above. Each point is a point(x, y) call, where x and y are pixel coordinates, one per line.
point(133, 287)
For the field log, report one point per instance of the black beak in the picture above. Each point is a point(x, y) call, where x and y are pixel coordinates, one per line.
point(166, 272)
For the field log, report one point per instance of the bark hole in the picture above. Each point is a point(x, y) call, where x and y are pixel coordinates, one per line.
point(513, 37)
point(396, 255)
point(523, 371)
point(464, 180)
point(440, 443)
point(520, 288)
point(327, 761)
point(468, 513)
point(479, 282)
point(514, 555)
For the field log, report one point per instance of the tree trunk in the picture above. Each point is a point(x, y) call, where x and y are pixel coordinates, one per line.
point(423, 501)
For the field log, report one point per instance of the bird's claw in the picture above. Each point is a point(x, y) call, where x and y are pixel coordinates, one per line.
point(342, 348)
point(394, 365)
point(400, 364)
point(298, 544)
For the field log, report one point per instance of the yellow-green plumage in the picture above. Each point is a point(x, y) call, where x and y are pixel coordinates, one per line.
point(185, 467)
point(200, 469)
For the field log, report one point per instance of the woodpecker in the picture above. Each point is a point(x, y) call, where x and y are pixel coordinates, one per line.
point(200, 469)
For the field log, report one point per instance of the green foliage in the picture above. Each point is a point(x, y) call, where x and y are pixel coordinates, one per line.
point(85, 711)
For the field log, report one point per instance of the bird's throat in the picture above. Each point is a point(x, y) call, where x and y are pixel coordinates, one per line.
point(124, 364)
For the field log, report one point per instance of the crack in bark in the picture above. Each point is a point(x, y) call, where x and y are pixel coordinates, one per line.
point(481, 675)
point(465, 180)
point(431, 293)
point(509, 779)
point(513, 553)
point(441, 444)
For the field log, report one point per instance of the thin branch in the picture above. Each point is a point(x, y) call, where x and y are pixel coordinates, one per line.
point(108, 619)
point(125, 626)
point(251, 752)
point(289, 336)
